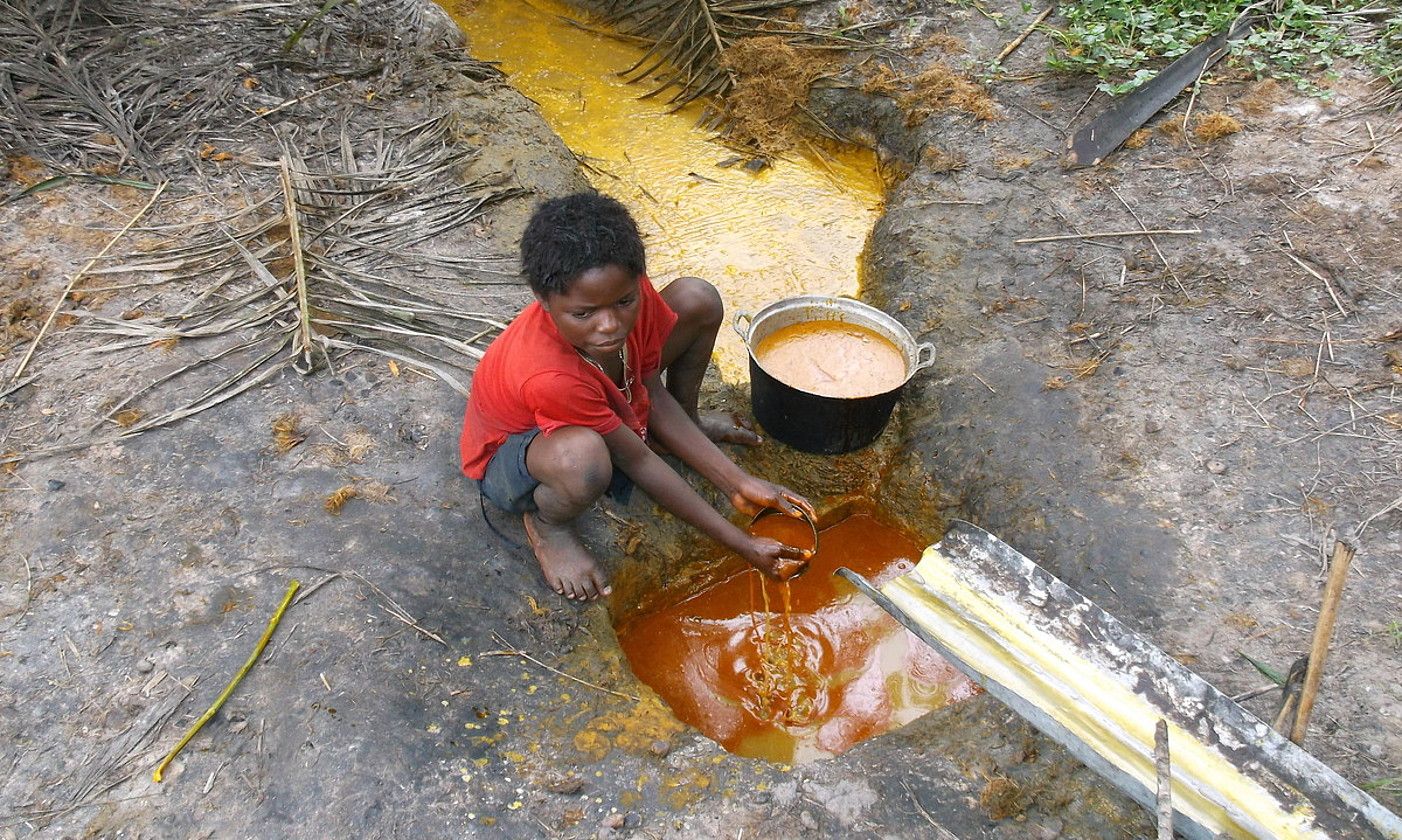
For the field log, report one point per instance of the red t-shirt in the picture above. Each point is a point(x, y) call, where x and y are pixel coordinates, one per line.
point(532, 378)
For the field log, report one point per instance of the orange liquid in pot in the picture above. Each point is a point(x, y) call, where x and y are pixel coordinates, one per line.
point(832, 359)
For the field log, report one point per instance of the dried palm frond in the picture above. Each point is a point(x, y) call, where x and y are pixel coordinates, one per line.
point(707, 50)
point(372, 278)
point(366, 248)
point(689, 38)
point(88, 86)
point(322, 278)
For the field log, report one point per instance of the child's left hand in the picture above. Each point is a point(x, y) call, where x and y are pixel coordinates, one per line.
point(755, 494)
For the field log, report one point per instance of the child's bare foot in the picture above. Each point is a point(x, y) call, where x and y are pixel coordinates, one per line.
point(567, 564)
point(724, 427)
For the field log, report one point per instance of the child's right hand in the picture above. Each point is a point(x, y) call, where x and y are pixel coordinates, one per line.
point(779, 561)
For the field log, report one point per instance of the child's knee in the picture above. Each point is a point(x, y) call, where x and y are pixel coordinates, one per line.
point(576, 462)
point(695, 301)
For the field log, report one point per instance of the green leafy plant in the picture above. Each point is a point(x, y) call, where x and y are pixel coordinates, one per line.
point(1124, 43)
point(1391, 785)
point(1394, 632)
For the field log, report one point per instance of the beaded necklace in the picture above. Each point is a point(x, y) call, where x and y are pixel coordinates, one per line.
point(627, 387)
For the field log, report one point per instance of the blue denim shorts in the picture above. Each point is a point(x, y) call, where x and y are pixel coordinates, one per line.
point(511, 487)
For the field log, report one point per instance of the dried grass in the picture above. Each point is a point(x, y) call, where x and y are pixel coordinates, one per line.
point(352, 450)
point(1005, 162)
point(1240, 620)
point(947, 43)
point(99, 87)
point(1086, 368)
point(690, 37)
point(371, 491)
point(358, 445)
point(375, 491)
point(26, 170)
point(1171, 127)
point(1262, 97)
point(19, 321)
point(373, 197)
point(128, 417)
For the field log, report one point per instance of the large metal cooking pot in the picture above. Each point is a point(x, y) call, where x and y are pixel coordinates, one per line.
point(814, 423)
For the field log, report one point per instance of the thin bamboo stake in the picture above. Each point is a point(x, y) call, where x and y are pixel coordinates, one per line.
point(1110, 234)
point(229, 689)
point(58, 304)
point(299, 267)
point(1165, 776)
point(1017, 42)
point(1323, 632)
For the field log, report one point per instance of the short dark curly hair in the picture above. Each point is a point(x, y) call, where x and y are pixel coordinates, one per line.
point(571, 235)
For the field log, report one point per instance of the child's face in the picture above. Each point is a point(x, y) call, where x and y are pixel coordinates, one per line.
point(596, 311)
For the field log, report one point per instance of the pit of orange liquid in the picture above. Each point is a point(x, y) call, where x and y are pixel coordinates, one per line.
point(796, 671)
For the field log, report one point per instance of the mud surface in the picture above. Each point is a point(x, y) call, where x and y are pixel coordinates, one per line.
point(1173, 426)
point(1185, 481)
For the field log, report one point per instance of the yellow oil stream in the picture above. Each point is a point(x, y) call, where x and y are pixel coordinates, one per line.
point(797, 227)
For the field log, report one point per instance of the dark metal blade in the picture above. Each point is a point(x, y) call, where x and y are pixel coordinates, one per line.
point(1105, 133)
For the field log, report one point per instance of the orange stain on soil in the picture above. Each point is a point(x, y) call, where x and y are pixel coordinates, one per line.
point(799, 671)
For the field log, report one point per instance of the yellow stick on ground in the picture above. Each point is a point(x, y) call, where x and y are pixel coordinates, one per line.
point(229, 689)
point(1323, 632)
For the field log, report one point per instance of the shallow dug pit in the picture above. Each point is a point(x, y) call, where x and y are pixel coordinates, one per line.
point(797, 671)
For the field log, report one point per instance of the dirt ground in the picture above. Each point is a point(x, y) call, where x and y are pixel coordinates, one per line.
point(1171, 426)
point(1174, 426)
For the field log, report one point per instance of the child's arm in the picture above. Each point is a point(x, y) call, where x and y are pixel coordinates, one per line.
point(676, 430)
point(668, 489)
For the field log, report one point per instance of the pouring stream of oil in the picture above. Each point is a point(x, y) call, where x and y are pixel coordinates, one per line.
point(807, 677)
point(797, 227)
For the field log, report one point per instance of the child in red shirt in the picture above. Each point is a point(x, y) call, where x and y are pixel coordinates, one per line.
point(566, 399)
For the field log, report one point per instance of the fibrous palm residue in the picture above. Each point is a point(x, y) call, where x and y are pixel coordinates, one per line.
point(1001, 797)
point(287, 432)
point(18, 321)
point(935, 90)
point(1215, 126)
point(942, 161)
point(772, 78)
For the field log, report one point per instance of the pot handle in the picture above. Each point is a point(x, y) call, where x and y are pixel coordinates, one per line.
point(745, 333)
point(924, 355)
